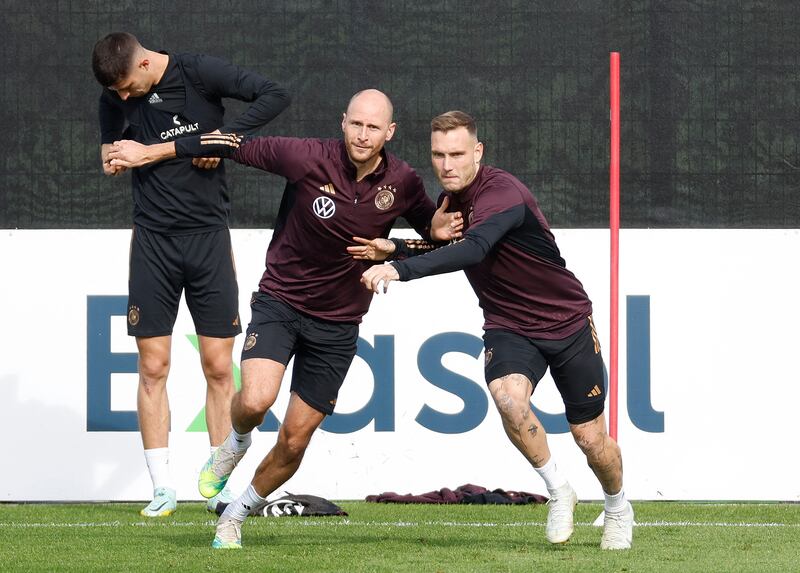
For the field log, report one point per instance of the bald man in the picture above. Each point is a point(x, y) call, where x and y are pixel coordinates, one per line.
point(310, 301)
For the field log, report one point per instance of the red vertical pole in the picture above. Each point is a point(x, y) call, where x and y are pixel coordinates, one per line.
point(614, 226)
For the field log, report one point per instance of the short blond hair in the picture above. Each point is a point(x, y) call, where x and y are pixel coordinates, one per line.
point(453, 120)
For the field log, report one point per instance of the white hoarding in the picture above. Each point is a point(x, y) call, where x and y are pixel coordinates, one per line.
point(707, 376)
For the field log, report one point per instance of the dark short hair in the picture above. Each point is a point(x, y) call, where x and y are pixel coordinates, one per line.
point(112, 57)
point(453, 120)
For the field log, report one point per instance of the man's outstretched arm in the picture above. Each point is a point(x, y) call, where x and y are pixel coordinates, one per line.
point(445, 226)
point(471, 250)
point(127, 153)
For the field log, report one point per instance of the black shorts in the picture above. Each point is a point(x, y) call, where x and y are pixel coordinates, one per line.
point(163, 266)
point(322, 350)
point(575, 362)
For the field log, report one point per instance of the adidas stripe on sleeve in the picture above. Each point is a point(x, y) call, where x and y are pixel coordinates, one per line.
point(208, 145)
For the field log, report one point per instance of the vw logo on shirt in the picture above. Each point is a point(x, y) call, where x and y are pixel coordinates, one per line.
point(324, 207)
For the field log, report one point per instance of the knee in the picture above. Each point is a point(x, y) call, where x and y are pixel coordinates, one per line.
point(512, 409)
point(250, 406)
point(218, 371)
point(292, 444)
point(592, 442)
point(511, 395)
point(153, 370)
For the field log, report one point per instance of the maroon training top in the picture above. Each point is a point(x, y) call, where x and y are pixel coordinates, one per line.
point(511, 260)
point(322, 208)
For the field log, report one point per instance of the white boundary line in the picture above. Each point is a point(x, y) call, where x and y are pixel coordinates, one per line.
point(347, 522)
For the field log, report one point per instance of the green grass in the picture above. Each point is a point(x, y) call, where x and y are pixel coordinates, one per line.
point(388, 537)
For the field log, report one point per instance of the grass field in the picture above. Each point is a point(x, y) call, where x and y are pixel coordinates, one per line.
point(388, 537)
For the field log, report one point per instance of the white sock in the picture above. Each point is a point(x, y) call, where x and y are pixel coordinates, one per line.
point(158, 465)
point(553, 479)
point(615, 503)
point(239, 442)
point(240, 509)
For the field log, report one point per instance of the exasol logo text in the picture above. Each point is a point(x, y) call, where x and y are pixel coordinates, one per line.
point(102, 363)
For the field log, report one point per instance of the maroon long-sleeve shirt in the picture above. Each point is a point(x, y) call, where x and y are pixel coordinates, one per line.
point(510, 258)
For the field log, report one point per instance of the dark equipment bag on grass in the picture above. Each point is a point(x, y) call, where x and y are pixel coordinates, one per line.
point(292, 504)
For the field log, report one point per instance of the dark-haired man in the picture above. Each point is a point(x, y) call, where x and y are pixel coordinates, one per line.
point(310, 302)
point(537, 315)
point(180, 241)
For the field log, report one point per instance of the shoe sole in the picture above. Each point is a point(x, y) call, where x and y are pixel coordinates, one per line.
point(165, 513)
point(220, 545)
point(615, 548)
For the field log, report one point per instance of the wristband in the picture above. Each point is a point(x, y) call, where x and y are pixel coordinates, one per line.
point(404, 248)
point(208, 145)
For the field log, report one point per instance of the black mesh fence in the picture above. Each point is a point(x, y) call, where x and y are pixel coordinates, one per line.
point(709, 102)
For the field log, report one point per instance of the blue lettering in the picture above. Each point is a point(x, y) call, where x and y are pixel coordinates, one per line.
point(101, 363)
point(380, 407)
point(429, 361)
point(640, 409)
